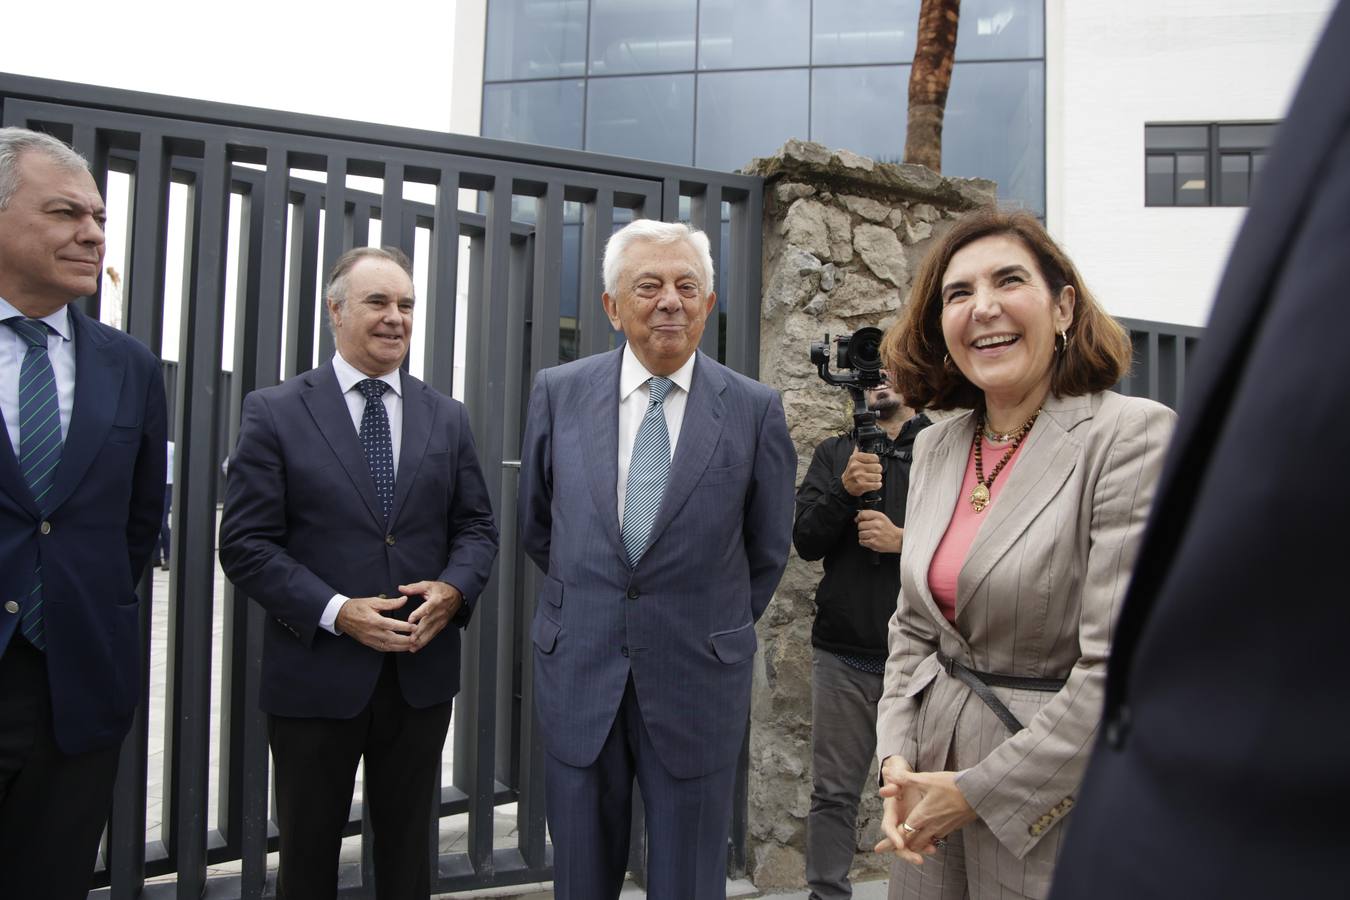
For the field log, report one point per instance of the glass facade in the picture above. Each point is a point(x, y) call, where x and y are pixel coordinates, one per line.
point(713, 83)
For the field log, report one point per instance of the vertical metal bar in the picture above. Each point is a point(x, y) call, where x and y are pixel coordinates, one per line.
point(257, 363)
point(391, 210)
point(743, 317)
point(335, 236)
point(670, 199)
point(86, 142)
point(192, 582)
point(144, 320)
point(301, 307)
point(706, 215)
point(438, 362)
point(360, 230)
point(593, 328)
point(144, 291)
point(548, 253)
point(1153, 379)
point(474, 712)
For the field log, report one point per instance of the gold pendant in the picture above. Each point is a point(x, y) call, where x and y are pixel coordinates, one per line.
point(979, 498)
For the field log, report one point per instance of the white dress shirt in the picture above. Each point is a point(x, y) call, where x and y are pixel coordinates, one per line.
point(634, 396)
point(349, 377)
point(61, 352)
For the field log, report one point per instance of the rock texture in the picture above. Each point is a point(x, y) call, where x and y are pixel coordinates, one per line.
point(842, 237)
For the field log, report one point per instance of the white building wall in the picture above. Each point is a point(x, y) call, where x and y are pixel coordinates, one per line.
point(1112, 67)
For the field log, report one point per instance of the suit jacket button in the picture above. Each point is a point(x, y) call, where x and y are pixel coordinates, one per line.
point(45, 528)
point(624, 649)
point(1118, 728)
point(389, 539)
point(11, 607)
point(633, 593)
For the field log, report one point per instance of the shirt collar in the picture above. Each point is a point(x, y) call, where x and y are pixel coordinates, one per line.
point(349, 376)
point(59, 321)
point(633, 374)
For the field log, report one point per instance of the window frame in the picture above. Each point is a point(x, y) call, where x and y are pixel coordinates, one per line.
point(1213, 154)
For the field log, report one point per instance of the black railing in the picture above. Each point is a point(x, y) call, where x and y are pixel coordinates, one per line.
point(534, 220)
point(1162, 355)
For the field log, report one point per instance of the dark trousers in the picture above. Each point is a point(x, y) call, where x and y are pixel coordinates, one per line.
point(52, 805)
point(589, 816)
point(314, 762)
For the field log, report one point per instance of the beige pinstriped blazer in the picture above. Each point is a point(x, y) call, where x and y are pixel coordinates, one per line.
point(1037, 596)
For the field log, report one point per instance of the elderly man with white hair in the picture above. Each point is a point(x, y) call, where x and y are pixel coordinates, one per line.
point(656, 498)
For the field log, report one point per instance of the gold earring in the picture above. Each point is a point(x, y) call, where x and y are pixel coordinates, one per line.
point(947, 360)
point(1063, 341)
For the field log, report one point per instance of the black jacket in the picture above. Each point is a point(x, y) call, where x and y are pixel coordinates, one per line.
point(856, 598)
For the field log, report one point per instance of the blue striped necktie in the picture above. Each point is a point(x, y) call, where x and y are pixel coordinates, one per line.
point(377, 442)
point(39, 446)
point(648, 469)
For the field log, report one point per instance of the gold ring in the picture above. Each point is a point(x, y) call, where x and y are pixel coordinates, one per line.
point(909, 829)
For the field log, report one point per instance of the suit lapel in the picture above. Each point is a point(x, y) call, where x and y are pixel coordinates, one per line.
point(11, 478)
point(699, 433)
point(600, 402)
point(98, 385)
point(323, 398)
point(940, 471)
point(1048, 457)
point(417, 418)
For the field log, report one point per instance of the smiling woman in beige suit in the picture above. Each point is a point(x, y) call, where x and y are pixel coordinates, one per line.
point(1025, 512)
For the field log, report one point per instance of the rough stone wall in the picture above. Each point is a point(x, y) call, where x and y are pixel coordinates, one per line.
point(842, 235)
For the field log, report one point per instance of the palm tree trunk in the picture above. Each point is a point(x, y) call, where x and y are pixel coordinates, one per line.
point(929, 80)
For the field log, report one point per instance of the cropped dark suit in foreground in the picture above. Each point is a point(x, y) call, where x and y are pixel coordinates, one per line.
point(1224, 766)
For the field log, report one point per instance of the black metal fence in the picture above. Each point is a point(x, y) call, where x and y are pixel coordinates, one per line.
point(1162, 355)
point(514, 233)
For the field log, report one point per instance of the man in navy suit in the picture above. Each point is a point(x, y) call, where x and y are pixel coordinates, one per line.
point(81, 492)
point(1224, 764)
point(357, 515)
point(656, 497)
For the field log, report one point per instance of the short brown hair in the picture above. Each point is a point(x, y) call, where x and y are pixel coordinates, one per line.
point(1097, 354)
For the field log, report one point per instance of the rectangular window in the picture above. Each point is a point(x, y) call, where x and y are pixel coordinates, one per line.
point(1206, 164)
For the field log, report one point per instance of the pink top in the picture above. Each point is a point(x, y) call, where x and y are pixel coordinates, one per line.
point(951, 552)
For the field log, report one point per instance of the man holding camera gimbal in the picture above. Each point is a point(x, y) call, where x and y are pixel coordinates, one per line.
point(854, 603)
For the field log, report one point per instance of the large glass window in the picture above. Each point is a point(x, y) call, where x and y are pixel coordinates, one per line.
point(853, 32)
point(742, 115)
point(629, 37)
point(534, 112)
point(646, 117)
point(529, 39)
point(747, 34)
point(1001, 29)
point(995, 128)
point(861, 109)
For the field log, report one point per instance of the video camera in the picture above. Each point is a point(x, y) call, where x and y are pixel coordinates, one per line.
point(858, 355)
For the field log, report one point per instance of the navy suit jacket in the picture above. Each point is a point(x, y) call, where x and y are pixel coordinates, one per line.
point(1225, 765)
point(683, 620)
point(105, 511)
point(302, 522)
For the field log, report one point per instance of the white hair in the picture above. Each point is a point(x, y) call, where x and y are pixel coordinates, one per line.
point(656, 232)
point(15, 142)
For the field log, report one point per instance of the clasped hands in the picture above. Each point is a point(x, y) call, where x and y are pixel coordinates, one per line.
point(363, 619)
point(918, 809)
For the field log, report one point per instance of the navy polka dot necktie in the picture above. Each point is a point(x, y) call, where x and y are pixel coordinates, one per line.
point(376, 442)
